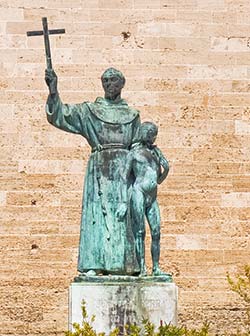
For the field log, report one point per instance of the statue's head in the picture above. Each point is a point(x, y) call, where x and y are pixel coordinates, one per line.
point(112, 81)
point(149, 132)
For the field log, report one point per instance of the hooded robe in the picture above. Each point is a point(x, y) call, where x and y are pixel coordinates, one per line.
point(106, 241)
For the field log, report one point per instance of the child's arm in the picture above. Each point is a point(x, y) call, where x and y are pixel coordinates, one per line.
point(164, 164)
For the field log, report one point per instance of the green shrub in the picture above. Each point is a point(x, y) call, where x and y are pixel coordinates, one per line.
point(241, 286)
point(86, 329)
point(147, 329)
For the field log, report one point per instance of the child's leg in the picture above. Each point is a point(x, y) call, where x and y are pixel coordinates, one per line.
point(138, 224)
point(153, 217)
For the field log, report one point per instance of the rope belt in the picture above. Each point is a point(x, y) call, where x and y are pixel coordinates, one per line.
point(100, 148)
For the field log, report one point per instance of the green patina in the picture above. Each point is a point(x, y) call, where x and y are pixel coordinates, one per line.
point(128, 279)
point(121, 179)
point(149, 168)
point(110, 126)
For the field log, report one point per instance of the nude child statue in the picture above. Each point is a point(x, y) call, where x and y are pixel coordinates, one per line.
point(149, 168)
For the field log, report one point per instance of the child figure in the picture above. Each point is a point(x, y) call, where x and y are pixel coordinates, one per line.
point(149, 168)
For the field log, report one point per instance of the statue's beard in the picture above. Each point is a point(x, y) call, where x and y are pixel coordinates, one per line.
point(111, 95)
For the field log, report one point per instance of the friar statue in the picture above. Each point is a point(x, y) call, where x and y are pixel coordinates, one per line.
point(110, 127)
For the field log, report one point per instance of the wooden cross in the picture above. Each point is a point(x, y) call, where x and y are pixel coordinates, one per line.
point(46, 32)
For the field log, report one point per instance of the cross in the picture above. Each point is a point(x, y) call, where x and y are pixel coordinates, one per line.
point(46, 32)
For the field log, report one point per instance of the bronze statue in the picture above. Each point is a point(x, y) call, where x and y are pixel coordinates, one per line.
point(112, 225)
point(149, 167)
point(110, 127)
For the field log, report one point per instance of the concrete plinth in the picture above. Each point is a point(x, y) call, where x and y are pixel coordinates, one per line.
point(118, 301)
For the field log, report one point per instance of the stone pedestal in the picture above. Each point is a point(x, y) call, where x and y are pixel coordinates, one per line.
point(118, 301)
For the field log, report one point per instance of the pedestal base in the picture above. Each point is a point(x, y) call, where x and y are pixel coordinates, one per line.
point(117, 301)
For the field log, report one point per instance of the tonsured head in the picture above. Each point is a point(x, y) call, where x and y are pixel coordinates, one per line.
point(112, 82)
point(149, 132)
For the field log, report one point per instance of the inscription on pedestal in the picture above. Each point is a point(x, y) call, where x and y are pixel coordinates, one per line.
point(119, 304)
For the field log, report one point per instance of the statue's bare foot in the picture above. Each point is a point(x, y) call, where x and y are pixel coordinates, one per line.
point(158, 272)
point(143, 272)
point(91, 273)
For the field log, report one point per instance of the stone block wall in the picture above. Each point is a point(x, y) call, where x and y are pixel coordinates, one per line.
point(187, 67)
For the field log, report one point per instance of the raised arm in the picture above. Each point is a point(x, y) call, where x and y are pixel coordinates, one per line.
point(64, 116)
point(164, 164)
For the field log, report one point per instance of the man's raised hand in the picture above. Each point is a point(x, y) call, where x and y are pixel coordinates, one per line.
point(51, 80)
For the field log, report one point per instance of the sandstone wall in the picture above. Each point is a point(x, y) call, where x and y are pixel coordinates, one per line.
point(187, 66)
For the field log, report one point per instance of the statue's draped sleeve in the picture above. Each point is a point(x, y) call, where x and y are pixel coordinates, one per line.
point(68, 117)
point(136, 131)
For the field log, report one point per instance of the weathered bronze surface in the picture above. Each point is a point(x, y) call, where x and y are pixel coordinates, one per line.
point(120, 186)
point(149, 168)
point(110, 127)
point(124, 279)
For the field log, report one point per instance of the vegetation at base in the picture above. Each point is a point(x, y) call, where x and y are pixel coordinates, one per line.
point(240, 285)
point(147, 329)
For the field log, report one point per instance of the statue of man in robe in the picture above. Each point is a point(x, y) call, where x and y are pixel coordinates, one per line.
point(110, 127)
